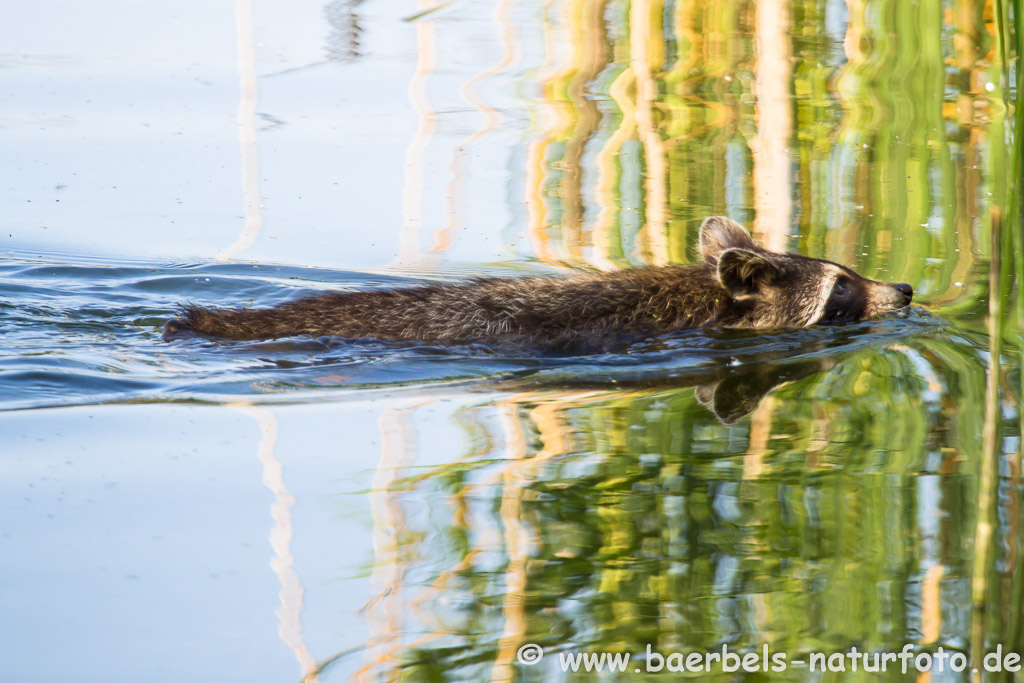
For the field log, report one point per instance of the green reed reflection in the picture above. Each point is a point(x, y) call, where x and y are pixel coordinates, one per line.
point(867, 497)
point(841, 511)
point(868, 132)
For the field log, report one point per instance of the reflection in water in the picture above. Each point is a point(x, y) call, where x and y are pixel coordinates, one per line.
point(492, 119)
point(839, 512)
point(770, 146)
point(840, 486)
point(809, 496)
point(290, 612)
point(796, 118)
point(343, 42)
point(517, 544)
point(739, 393)
point(385, 610)
point(415, 156)
point(248, 143)
point(990, 448)
point(653, 243)
point(729, 392)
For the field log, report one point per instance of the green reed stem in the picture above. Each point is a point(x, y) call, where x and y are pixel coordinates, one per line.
point(1014, 212)
point(990, 452)
point(1017, 228)
point(1004, 240)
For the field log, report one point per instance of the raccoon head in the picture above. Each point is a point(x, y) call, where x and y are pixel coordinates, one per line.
point(787, 290)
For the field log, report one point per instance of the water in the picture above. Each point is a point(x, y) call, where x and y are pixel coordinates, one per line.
point(204, 510)
point(92, 335)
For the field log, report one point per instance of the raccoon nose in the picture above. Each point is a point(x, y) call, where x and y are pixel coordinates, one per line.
point(906, 290)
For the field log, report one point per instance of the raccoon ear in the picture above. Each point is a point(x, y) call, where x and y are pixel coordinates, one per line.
point(718, 233)
point(743, 273)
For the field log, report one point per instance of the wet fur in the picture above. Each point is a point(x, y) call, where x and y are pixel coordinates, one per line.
point(739, 286)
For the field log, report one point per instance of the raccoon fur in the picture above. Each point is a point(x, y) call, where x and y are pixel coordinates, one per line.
point(739, 285)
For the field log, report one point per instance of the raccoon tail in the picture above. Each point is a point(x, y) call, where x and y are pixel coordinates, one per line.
point(223, 323)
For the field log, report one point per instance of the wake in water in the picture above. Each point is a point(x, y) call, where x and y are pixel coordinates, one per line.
point(80, 334)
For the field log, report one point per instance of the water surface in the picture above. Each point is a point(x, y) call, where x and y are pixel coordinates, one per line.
point(354, 509)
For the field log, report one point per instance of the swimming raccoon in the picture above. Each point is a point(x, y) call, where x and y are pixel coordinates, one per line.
point(739, 285)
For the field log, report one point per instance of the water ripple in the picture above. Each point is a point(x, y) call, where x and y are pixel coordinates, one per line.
point(85, 333)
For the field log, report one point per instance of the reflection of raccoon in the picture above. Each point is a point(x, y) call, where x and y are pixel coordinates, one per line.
point(739, 285)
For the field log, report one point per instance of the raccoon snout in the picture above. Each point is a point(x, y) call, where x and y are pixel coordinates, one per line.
point(906, 290)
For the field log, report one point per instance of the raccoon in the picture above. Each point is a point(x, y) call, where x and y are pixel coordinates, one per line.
point(739, 285)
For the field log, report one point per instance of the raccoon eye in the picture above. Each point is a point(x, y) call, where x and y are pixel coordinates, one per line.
point(840, 288)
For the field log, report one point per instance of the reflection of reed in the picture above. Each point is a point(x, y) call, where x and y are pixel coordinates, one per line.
point(551, 118)
point(647, 48)
point(706, 155)
point(652, 137)
point(967, 43)
point(519, 473)
point(930, 558)
point(963, 253)
point(415, 155)
point(534, 201)
point(931, 604)
point(1004, 189)
point(1015, 217)
point(644, 123)
point(289, 614)
point(773, 204)
point(990, 450)
point(589, 57)
point(384, 612)
point(247, 132)
point(757, 441)
point(445, 237)
point(517, 543)
point(606, 242)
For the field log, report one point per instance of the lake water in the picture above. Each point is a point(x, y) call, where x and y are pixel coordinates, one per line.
point(314, 509)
